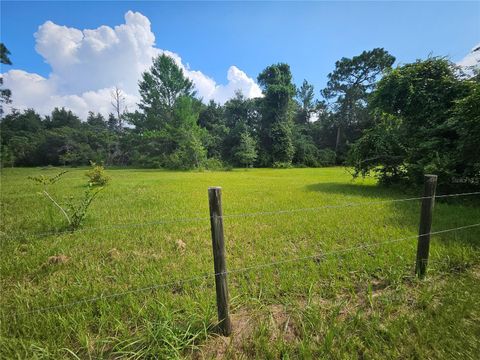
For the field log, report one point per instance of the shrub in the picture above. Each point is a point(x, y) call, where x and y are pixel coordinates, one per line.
point(97, 175)
point(74, 213)
point(326, 157)
point(282, 165)
point(78, 212)
point(214, 164)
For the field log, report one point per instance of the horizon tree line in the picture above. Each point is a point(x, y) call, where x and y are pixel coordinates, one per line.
point(394, 122)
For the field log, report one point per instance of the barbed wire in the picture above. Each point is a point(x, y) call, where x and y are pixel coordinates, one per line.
point(238, 215)
point(244, 269)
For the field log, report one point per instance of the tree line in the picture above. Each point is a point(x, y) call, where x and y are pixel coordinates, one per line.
point(397, 123)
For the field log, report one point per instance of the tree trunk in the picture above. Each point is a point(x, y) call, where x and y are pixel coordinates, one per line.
point(339, 136)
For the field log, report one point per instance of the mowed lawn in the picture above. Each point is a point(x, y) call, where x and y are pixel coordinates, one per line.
point(141, 255)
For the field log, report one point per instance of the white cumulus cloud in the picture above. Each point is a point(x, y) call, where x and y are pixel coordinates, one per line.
point(472, 59)
point(87, 64)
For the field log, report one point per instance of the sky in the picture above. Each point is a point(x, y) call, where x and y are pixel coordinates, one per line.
point(73, 53)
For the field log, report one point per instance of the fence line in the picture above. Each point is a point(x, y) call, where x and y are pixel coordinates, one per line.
point(360, 247)
point(239, 215)
point(244, 269)
point(113, 226)
point(345, 205)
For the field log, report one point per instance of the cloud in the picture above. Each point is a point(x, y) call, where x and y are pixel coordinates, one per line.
point(87, 64)
point(34, 91)
point(472, 58)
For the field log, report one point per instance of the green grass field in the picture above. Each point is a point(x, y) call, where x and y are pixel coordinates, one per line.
point(363, 303)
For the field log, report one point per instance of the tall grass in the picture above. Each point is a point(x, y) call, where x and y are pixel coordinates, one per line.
point(363, 303)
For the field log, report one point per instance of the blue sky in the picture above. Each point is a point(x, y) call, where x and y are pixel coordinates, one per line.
point(210, 37)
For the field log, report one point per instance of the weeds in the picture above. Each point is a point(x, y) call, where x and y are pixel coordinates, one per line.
point(74, 213)
point(78, 212)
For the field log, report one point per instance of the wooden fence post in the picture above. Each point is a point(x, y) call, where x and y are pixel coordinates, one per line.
point(220, 266)
point(426, 213)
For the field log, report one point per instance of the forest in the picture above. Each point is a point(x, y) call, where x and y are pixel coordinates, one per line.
point(394, 122)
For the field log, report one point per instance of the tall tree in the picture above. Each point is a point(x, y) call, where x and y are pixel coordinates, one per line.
point(112, 122)
point(246, 151)
point(118, 104)
point(159, 88)
point(212, 119)
point(62, 118)
point(241, 115)
point(96, 120)
point(276, 125)
point(4, 52)
point(349, 85)
point(305, 97)
point(5, 94)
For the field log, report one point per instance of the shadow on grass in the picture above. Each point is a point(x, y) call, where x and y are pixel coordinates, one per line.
point(360, 189)
point(448, 213)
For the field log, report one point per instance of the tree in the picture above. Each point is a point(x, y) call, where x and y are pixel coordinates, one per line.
point(5, 94)
point(179, 145)
point(21, 133)
point(96, 120)
point(160, 88)
point(118, 104)
point(212, 119)
point(4, 59)
point(241, 115)
point(276, 124)
point(349, 86)
point(246, 152)
point(188, 137)
point(465, 119)
point(62, 117)
point(65, 146)
point(112, 122)
point(17, 122)
point(425, 113)
point(305, 97)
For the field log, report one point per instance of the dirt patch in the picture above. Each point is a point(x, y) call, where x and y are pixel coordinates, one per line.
point(219, 347)
point(283, 325)
point(244, 323)
point(146, 255)
point(378, 287)
point(113, 254)
point(181, 246)
point(476, 272)
point(57, 259)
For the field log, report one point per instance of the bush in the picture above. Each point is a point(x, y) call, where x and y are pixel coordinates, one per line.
point(282, 165)
point(326, 157)
point(214, 164)
point(97, 175)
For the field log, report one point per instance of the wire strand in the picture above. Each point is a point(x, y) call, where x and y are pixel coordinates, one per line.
point(344, 205)
point(239, 215)
point(244, 269)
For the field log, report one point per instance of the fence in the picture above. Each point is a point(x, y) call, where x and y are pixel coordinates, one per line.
point(218, 245)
